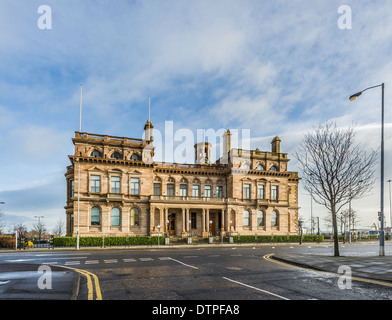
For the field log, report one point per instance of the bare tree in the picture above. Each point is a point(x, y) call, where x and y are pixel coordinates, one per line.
point(334, 169)
point(59, 228)
point(40, 228)
point(21, 228)
point(2, 224)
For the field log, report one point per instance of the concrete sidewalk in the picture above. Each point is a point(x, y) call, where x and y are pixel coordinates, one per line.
point(374, 267)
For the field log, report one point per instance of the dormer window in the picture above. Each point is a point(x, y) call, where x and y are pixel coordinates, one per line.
point(115, 155)
point(96, 154)
point(135, 157)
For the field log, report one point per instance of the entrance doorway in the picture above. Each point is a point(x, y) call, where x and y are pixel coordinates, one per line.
point(172, 224)
point(215, 223)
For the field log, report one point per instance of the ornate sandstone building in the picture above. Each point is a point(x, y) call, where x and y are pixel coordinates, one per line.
point(121, 191)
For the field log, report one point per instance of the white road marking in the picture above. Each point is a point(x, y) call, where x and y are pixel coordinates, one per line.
point(32, 259)
point(111, 261)
point(129, 260)
point(91, 262)
point(146, 259)
point(71, 263)
point(254, 288)
point(187, 265)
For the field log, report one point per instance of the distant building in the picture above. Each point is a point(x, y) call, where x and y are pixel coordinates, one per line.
point(123, 192)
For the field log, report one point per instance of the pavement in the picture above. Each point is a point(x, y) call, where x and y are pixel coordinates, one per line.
point(27, 282)
point(373, 267)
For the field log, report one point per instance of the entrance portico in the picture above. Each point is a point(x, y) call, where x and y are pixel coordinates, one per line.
point(189, 221)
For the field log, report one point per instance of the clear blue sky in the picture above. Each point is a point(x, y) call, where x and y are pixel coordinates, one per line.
point(274, 67)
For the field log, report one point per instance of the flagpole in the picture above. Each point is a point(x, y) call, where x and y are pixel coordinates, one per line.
point(78, 160)
point(80, 111)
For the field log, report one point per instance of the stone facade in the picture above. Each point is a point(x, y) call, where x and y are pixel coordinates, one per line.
point(119, 190)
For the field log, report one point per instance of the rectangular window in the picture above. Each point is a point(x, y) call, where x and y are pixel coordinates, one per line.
point(260, 191)
point(193, 220)
point(183, 190)
point(95, 184)
point(195, 190)
point(157, 189)
point(72, 188)
point(246, 191)
point(115, 187)
point(207, 191)
point(135, 186)
point(219, 191)
point(170, 189)
point(274, 192)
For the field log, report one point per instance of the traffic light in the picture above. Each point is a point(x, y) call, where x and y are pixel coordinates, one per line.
point(379, 216)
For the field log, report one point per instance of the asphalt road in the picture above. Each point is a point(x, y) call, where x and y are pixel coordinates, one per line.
point(203, 274)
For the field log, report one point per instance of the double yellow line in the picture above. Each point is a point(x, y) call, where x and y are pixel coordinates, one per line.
point(381, 283)
point(92, 281)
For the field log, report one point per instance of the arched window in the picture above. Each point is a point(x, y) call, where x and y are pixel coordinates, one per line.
point(134, 217)
point(273, 168)
point(115, 155)
point(95, 216)
point(246, 221)
point(274, 219)
point(115, 217)
point(245, 166)
point(260, 167)
point(96, 154)
point(260, 218)
point(135, 157)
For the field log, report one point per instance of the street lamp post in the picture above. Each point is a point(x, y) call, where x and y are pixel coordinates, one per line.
point(352, 98)
point(77, 217)
point(159, 233)
point(390, 202)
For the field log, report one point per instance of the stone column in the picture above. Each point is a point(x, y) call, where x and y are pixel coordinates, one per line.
point(187, 218)
point(166, 218)
point(152, 219)
point(208, 220)
point(203, 221)
point(223, 220)
point(183, 221)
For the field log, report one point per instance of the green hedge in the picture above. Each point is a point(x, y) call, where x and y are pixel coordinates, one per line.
point(272, 238)
point(108, 241)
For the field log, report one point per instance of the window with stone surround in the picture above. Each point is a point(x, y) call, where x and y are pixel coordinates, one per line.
point(115, 185)
point(115, 217)
point(95, 184)
point(274, 218)
point(260, 218)
point(260, 191)
point(135, 186)
point(95, 216)
point(207, 191)
point(115, 155)
point(274, 192)
point(96, 154)
point(183, 190)
point(246, 218)
point(219, 191)
point(170, 189)
point(135, 213)
point(157, 189)
point(195, 190)
point(246, 191)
